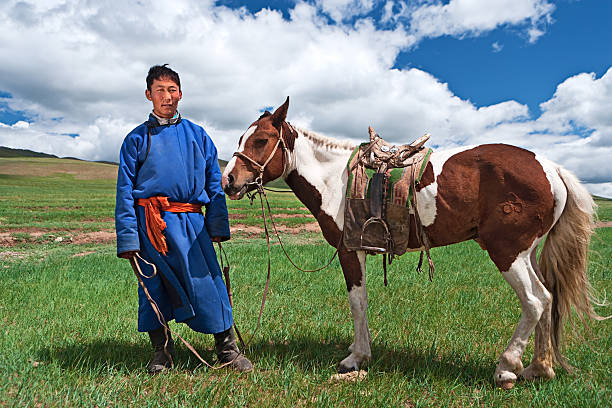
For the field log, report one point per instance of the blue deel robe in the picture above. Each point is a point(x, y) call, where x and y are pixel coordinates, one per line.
point(182, 165)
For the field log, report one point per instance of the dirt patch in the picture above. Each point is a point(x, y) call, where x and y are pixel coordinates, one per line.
point(97, 237)
point(603, 224)
point(7, 239)
point(256, 229)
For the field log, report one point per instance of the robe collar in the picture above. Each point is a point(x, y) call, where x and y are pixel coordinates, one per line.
point(165, 121)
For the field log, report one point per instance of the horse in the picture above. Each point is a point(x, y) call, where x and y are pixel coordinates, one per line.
point(504, 197)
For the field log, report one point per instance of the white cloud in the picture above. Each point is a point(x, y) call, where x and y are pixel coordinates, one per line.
point(472, 17)
point(79, 68)
point(497, 47)
point(342, 10)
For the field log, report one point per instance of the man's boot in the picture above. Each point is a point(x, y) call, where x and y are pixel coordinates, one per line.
point(160, 361)
point(227, 351)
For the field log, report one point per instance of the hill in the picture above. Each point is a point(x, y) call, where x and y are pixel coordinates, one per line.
point(10, 152)
point(23, 162)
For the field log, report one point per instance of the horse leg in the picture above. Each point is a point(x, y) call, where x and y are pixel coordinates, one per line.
point(354, 269)
point(541, 364)
point(535, 299)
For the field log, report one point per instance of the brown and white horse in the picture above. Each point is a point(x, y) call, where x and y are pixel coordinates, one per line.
point(504, 197)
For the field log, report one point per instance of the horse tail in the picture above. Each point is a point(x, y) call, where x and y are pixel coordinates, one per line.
point(564, 260)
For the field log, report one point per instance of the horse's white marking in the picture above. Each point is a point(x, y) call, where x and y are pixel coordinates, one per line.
point(315, 163)
point(245, 136)
point(534, 298)
point(426, 198)
point(358, 299)
point(557, 186)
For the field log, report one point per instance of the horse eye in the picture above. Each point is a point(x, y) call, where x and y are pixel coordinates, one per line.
point(260, 142)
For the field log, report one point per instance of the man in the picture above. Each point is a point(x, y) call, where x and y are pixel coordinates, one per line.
point(168, 171)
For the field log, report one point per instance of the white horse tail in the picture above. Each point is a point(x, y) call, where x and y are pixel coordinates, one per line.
point(564, 261)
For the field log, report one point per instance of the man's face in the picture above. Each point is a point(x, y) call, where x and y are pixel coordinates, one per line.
point(165, 95)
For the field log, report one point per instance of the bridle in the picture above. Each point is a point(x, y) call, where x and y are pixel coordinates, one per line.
point(262, 167)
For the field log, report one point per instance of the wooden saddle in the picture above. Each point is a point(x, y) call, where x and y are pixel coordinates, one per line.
point(380, 198)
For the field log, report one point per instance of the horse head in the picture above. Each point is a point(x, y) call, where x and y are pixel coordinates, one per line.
point(260, 157)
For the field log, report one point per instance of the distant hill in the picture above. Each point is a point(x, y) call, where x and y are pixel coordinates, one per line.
point(602, 198)
point(9, 152)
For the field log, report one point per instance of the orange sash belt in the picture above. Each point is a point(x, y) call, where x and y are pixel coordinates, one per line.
point(155, 224)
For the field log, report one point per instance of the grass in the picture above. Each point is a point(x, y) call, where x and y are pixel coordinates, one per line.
point(604, 210)
point(69, 338)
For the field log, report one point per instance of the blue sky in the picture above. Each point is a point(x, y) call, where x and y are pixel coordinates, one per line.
point(578, 40)
point(534, 73)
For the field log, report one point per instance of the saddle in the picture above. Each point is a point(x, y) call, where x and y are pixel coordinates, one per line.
point(381, 155)
point(381, 200)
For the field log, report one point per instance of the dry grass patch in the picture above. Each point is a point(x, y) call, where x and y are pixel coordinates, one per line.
point(39, 167)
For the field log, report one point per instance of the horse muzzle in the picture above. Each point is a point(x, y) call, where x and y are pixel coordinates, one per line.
point(233, 191)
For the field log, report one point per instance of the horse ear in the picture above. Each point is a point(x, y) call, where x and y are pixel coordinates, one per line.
point(280, 114)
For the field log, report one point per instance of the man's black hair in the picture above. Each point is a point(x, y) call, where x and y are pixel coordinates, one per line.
point(162, 71)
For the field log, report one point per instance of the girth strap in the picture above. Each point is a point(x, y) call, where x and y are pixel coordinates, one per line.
point(155, 224)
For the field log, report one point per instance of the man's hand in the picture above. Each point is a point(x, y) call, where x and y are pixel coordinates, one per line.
point(127, 254)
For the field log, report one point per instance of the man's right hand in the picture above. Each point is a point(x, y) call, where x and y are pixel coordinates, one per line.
point(127, 254)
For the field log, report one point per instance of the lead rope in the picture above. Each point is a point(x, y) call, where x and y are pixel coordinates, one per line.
point(160, 316)
point(261, 192)
point(228, 287)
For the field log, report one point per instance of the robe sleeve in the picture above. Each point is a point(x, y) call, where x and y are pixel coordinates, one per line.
point(216, 217)
point(126, 223)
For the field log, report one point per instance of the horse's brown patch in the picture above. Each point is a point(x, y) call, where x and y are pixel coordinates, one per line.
point(350, 267)
point(427, 178)
point(498, 194)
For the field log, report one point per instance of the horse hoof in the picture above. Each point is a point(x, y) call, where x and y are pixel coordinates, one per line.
point(505, 379)
point(347, 365)
point(342, 369)
point(537, 372)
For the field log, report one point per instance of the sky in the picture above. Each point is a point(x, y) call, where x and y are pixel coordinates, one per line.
point(532, 73)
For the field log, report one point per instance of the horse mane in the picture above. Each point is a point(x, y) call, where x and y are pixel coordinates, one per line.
point(325, 141)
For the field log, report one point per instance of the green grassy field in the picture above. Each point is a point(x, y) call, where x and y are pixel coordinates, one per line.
point(68, 314)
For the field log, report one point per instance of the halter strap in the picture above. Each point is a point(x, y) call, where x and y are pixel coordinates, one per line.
point(262, 167)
